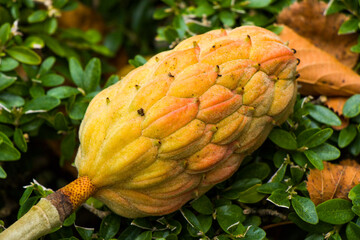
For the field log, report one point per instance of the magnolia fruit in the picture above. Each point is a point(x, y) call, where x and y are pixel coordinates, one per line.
point(173, 128)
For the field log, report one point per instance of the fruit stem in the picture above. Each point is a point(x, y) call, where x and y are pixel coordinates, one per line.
point(51, 211)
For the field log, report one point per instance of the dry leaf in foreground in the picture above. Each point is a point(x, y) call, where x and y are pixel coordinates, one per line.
point(334, 181)
point(323, 30)
point(320, 73)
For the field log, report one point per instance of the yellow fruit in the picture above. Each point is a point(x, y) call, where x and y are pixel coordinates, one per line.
point(184, 121)
point(173, 128)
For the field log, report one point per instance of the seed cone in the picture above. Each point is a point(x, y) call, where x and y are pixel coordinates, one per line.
point(183, 122)
point(173, 128)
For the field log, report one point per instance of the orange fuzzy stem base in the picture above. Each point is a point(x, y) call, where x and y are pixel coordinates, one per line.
point(78, 191)
point(70, 197)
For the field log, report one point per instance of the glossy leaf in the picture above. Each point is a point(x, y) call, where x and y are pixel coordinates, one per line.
point(317, 138)
point(314, 159)
point(280, 198)
point(326, 152)
point(52, 80)
point(46, 65)
point(24, 55)
point(92, 75)
point(6, 81)
point(63, 92)
point(283, 139)
point(41, 104)
point(255, 170)
point(349, 26)
point(19, 140)
point(26, 195)
point(203, 205)
point(335, 211)
point(347, 135)
point(8, 152)
point(238, 187)
point(323, 115)
point(5, 31)
point(77, 73)
point(144, 236)
point(8, 64)
point(230, 218)
point(3, 174)
point(352, 106)
point(254, 233)
point(37, 16)
point(305, 209)
point(269, 187)
point(110, 225)
point(250, 195)
point(85, 233)
point(352, 231)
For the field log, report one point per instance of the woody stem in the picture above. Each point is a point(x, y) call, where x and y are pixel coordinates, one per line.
point(51, 211)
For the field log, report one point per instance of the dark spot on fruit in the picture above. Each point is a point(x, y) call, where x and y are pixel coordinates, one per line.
point(141, 112)
point(297, 76)
point(298, 61)
point(170, 75)
point(293, 50)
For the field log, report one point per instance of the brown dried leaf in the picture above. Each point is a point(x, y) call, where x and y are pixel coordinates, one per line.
point(322, 30)
point(334, 181)
point(320, 73)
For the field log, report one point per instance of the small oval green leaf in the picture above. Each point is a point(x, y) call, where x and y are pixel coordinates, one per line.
point(323, 115)
point(347, 135)
point(305, 209)
point(41, 104)
point(283, 139)
point(24, 54)
point(335, 211)
point(352, 106)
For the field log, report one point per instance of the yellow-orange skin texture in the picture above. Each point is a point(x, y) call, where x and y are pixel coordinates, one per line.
point(173, 128)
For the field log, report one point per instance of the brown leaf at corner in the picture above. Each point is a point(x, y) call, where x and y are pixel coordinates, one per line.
point(308, 20)
point(320, 73)
point(334, 181)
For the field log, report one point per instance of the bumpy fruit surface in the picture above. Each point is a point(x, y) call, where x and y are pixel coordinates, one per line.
point(173, 128)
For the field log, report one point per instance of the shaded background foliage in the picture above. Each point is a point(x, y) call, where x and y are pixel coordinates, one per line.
point(52, 66)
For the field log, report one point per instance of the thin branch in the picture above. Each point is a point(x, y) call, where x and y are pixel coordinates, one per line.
point(95, 211)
